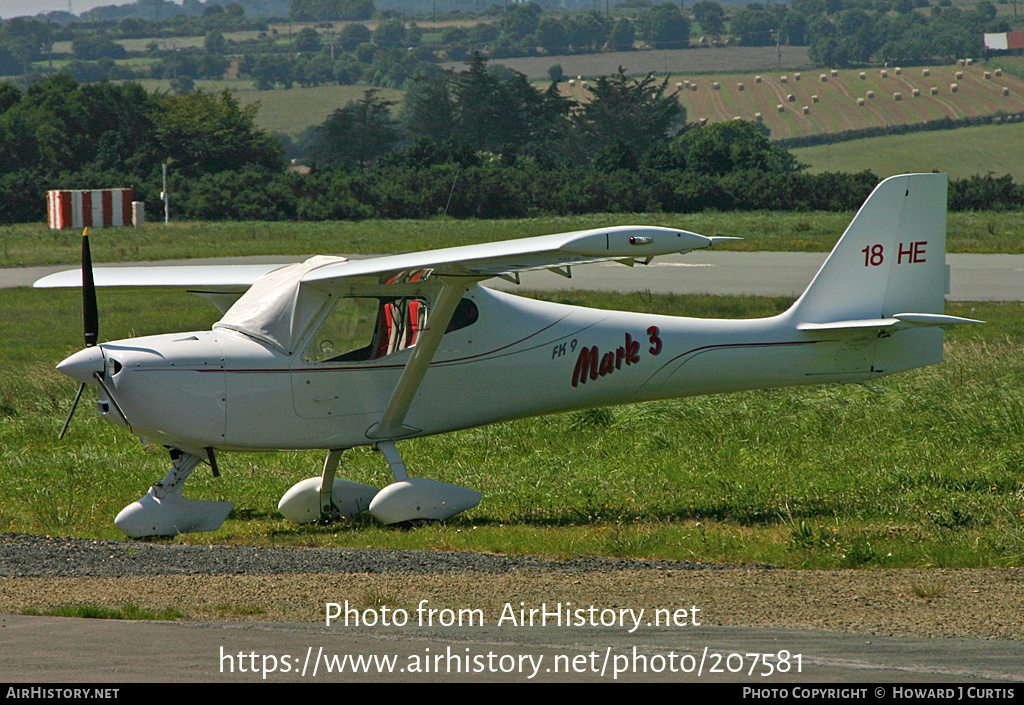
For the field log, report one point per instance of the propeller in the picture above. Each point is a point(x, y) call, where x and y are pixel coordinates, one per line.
point(90, 317)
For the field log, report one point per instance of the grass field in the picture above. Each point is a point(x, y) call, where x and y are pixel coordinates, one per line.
point(929, 473)
point(996, 149)
point(35, 244)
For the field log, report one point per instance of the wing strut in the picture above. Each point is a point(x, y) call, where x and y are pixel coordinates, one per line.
point(390, 425)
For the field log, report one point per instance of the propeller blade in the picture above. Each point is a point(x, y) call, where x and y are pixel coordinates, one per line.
point(90, 313)
point(74, 405)
point(90, 318)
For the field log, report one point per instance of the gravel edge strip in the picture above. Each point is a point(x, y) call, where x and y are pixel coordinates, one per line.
point(32, 556)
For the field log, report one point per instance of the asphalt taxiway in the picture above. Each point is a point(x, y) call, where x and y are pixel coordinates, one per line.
point(973, 277)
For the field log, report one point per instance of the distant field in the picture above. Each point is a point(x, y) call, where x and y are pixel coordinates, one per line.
point(811, 104)
point(998, 149)
point(659, 61)
point(288, 111)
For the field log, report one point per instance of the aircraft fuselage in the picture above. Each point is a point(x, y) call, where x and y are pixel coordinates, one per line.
point(223, 389)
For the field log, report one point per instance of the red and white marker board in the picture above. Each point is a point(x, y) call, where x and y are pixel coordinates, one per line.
point(94, 208)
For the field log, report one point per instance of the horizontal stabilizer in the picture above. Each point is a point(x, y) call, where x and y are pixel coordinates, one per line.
point(898, 322)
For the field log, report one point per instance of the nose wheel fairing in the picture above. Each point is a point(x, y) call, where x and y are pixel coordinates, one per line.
point(164, 511)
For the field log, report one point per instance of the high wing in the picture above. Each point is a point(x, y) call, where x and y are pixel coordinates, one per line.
point(624, 243)
point(239, 276)
point(224, 284)
point(506, 259)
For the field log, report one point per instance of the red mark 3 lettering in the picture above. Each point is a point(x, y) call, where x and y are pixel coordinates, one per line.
point(592, 364)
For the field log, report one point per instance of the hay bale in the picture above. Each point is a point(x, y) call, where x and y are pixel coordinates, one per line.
point(897, 96)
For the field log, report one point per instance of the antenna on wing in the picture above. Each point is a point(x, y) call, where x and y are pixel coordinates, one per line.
point(446, 205)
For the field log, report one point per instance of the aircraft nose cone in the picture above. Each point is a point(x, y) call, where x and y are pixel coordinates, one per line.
point(81, 366)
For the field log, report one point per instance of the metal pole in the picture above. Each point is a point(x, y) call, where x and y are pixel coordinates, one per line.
point(166, 197)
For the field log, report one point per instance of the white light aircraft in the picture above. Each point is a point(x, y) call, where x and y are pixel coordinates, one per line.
point(332, 353)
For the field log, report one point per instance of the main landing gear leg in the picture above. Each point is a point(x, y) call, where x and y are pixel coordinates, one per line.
point(326, 498)
point(417, 498)
point(165, 512)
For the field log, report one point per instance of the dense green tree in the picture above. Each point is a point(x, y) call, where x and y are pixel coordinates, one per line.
point(710, 16)
point(214, 42)
point(723, 147)
point(486, 111)
point(390, 34)
point(307, 41)
point(357, 134)
point(59, 125)
point(623, 35)
point(755, 25)
point(665, 27)
point(636, 112)
point(552, 36)
point(589, 31)
point(521, 21)
point(210, 133)
point(26, 39)
point(352, 35)
point(94, 46)
point(268, 70)
point(429, 111)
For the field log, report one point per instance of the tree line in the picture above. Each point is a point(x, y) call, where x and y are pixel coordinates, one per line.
point(473, 143)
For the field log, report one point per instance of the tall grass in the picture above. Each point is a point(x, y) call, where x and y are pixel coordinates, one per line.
point(928, 473)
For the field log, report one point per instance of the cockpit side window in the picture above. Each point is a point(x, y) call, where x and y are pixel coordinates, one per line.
point(368, 328)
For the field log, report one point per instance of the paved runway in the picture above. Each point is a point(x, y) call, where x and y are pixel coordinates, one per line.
point(973, 277)
point(64, 650)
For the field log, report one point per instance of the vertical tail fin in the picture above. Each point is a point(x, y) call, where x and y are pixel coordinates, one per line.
point(890, 260)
